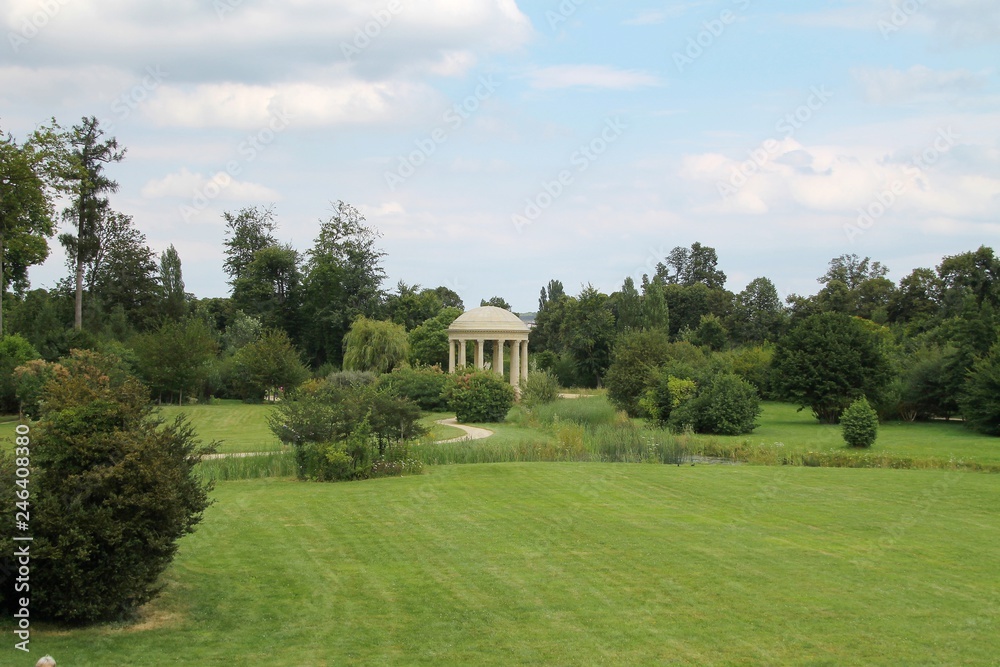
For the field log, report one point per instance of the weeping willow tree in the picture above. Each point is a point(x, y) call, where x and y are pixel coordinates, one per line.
point(371, 345)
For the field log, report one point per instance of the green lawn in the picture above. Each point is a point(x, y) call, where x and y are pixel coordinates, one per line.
point(530, 564)
point(240, 427)
point(800, 431)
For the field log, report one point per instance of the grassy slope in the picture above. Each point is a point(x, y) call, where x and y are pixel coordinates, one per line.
point(580, 564)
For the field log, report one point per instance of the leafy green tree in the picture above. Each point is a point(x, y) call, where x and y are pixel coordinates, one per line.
point(547, 332)
point(980, 398)
point(14, 351)
point(627, 307)
point(827, 361)
point(26, 209)
point(711, 333)
point(429, 341)
point(115, 489)
point(976, 273)
point(497, 301)
point(589, 333)
point(852, 270)
point(172, 284)
point(376, 346)
point(88, 185)
point(268, 366)
point(243, 330)
point(758, 313)
point(655, 311)
point(343, 278)
point(269, 287)
point(174, 360)
point(411, 306)
point(685, 267)
point(423, 386)
point(449, 298)
point(121, 273)
point(859, 424)
point(917, 298)
point(636, 357)
point(247, 231)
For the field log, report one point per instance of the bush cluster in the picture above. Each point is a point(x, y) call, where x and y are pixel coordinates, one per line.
point(479, 396)
point(423, 386)
point(539, 388)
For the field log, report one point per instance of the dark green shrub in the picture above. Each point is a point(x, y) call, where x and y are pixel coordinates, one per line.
point(980, 401)
point(29, 380)
point(423, 386)
point(479, 396)
point(114, 491)
point(634, 361)
point(539, 388)
point(859, 424)
point(14, 351)
point(729, 405)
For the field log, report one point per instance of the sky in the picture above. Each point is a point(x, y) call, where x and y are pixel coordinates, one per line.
point(499, 144)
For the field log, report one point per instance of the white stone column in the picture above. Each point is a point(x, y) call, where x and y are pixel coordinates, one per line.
point(524, 360)
point(480, 348)
point(451, 355)
point(461, 353)
point(498, 356)
point(515, 364)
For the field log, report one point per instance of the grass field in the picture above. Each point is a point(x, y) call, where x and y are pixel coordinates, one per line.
point(240, 427)
point(799, 431)
point(578, 564)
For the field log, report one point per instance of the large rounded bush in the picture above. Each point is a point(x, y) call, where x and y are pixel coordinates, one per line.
point(980, 401)
point(423, 386)
point(480, 396)
point(859, 424)
point(729, 405)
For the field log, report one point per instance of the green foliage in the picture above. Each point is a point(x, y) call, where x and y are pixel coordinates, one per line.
point(423, 386)
point(588, 333)
point(14, 351)
point(980, 399)
point(859, 424)
point(270, 365)
point(114, 491)
point(174, 360)
point(539, 388)
point(711, 333)
point(343, 277)
point(729, 405)
point(29, 381)
point(753, 364)
point(375, 346)
point(634, 361)
point(429, 340)
point(828, 360)
point(347, 432)
point(270, 288)
point(665, 394)
point(479, 396)
point(586, 411)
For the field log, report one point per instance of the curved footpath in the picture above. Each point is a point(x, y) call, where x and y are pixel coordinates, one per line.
point(471, 432)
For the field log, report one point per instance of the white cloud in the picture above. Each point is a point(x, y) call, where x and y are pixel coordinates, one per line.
point(185, 184)
point(919, 83)
point(589, 76)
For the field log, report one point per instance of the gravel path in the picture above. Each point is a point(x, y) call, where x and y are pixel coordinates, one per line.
point(471, 432)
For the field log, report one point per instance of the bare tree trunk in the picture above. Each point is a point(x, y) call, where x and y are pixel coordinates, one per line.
point(78, 306)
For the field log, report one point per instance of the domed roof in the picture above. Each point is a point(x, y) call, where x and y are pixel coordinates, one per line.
point(488, 318)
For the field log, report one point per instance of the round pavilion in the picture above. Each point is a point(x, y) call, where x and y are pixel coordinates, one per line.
point(497, 325)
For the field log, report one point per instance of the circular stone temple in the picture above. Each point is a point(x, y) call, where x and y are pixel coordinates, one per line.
point(497, 326)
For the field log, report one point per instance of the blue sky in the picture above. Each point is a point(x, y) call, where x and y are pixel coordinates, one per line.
point(498, 144)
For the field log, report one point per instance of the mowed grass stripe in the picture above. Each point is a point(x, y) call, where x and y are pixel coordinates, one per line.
point(582, 564)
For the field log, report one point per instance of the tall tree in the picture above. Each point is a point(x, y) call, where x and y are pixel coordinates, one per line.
point(27, 194)
point(655, 312)
point(758, 312)
point(688, 267)
point(269, 287)
point(589, 332)
point(121, 273)
point(852, 271)
point(248, 230)
point(628, 307)
point(88, 185)
point(172, 283)
point(343, 278)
